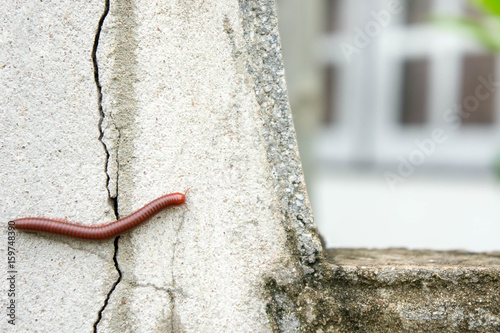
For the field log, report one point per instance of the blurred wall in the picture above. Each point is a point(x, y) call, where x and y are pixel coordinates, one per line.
point(398, 122)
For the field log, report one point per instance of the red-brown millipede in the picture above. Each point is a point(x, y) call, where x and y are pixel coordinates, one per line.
point(103, 231)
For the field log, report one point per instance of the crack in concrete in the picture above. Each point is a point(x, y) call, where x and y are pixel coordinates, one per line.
point(112, 200)
point(174, 287)
point(172, 310)
point(99, 90)
point(155, 287)
point(115, 260)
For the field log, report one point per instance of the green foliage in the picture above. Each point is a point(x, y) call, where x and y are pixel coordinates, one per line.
point(488, 33)
point(484, 29)
point(489, 6)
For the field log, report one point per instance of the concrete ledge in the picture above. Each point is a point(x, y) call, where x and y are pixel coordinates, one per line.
point(404, 291)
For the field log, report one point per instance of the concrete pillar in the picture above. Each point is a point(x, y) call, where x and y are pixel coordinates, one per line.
point(106, 106)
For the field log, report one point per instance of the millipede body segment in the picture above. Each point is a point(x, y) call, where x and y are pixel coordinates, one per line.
point(103, 231)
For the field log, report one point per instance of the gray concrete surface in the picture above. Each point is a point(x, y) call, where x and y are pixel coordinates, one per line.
point(52, 164)
point(193, 96)
point(399, 290)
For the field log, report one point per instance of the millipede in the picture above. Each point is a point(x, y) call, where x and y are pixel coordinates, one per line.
point(102, 231)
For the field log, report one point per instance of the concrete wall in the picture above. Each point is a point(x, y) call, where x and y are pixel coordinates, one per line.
point(106, 106)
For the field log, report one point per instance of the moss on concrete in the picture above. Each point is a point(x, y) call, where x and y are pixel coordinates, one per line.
point(397, 291)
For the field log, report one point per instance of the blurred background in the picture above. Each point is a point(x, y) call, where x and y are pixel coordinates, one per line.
point(397, 114)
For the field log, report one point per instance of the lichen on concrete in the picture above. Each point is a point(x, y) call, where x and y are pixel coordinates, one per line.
point(398, 290)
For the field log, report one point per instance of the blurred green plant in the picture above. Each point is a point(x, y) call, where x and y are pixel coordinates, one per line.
point(485, 29)
point(492, 6)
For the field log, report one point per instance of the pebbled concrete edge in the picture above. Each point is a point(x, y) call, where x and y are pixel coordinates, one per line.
point(264, 63)
point(260, 25)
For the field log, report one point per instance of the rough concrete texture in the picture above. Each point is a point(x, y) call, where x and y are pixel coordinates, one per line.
point(52, 163)
point(404, 291)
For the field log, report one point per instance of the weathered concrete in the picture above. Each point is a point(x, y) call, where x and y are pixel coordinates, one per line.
point(403, 291)
point(52, 163)
point(188, 95)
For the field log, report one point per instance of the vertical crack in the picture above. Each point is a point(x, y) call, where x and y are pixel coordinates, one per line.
point(112, 200)
point(115, 260)
point(171, 292)
point(172, 310)
point(99, 91)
